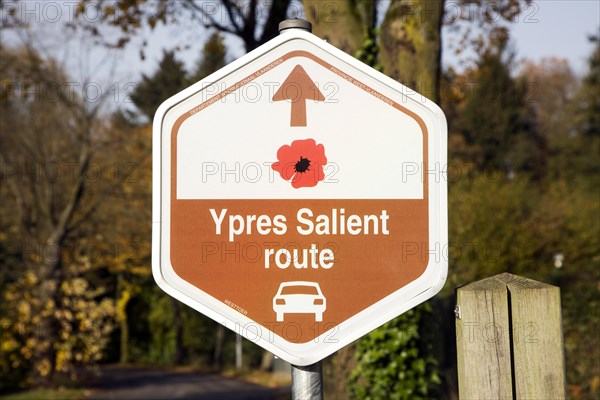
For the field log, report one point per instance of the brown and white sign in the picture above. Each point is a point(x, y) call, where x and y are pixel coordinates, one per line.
point(299, 197)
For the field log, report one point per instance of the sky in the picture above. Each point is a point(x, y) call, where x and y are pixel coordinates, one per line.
point(558, 28)
point(546, 28)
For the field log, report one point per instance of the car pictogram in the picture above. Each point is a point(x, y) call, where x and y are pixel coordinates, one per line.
point(299, 297)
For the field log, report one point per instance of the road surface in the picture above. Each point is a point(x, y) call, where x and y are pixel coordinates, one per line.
point(149, 384)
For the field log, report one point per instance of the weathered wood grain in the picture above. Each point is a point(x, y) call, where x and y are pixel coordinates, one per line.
point(483, 342)
point(538, 356)
point(509, 340)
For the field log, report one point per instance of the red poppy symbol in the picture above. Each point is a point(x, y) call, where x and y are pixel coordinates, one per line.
point(301, 163)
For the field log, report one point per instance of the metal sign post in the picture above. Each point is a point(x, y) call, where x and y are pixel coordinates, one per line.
point(307, 382)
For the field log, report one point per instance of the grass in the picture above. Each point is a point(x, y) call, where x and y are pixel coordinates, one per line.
point(45, 394)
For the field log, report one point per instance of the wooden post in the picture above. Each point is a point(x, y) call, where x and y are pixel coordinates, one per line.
point(483, 345)
point(509, 340)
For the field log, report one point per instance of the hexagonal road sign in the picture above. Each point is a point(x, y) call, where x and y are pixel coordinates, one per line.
point(299, 197)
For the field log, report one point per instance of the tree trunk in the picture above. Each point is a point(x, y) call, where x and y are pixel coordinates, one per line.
point(178, 356)
point(266, 363)
point(47, 329)
point(219, 342)
point(410, 44)
point(338, 22)
point(124, 356)
point(123, 326)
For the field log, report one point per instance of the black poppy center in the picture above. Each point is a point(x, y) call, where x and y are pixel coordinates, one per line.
point(302, 165)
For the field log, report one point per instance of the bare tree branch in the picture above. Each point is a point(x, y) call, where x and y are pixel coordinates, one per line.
point(196, 8)
point(277, 13)
point(232, 11)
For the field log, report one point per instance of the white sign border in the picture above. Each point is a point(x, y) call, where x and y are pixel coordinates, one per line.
point(418, 291)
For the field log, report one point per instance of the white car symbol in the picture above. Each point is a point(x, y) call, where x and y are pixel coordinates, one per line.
point(299, 297)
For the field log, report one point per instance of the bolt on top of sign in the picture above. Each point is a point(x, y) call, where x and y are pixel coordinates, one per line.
point(299, 197)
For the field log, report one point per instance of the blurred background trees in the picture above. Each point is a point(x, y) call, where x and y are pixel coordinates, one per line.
point(75, 182)
point(54, 317)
